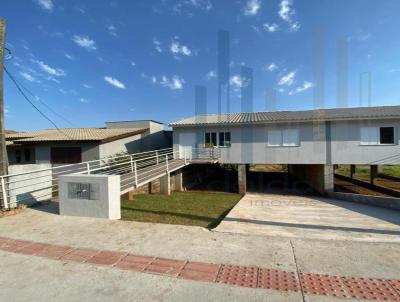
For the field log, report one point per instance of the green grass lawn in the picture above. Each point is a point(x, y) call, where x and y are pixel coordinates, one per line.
point(362, 172)
point(205, 209)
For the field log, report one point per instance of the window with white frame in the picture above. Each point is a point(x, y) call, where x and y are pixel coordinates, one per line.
point(377, 136)
point(217, 139)
point(224, 139)
point(283, 137)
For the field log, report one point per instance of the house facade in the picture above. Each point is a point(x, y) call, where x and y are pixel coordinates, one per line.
point(74, 145)
point(362, 136)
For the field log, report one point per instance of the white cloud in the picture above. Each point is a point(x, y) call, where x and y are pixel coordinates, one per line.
point(236, 81)
point(177, 49)
point(112, 30)
point(50, 70)
point(133, 64)
point(252, 7)
point(270, 27)
point(306, 85)
point(287, 79)
point(272, 67)
point(201, 4)
point(82, 100)
point(87, 86)
point(286, 12)
point(157, 45)
point(62, 91)
point(211, 74)
point(173, 83)
point(68, 56)
point(46, 5)
point(114, 82)
point(28, 76)
point(85, 42)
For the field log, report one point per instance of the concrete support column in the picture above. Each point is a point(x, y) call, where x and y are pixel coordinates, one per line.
point(130, 195)
point(373, 173)
point(380, 169)
point(352, 171)
point(150, 187)
point(329, 176)
point(165, 184)
point(242, 179)
point(178, 185)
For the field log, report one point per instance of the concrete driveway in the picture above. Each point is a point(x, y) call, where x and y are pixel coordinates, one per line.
point(311, 217)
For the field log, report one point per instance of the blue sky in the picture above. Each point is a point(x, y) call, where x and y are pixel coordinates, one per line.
point(97, 61)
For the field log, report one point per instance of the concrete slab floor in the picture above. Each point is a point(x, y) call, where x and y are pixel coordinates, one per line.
point(311, 217)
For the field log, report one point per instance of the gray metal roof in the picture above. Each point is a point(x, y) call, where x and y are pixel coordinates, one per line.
point(384, 112)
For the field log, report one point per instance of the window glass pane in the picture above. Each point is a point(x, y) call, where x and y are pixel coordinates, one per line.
point(387, 135)
point(290, 137)
point(207, 138)
point(221, 139)
point(274, 137)
point(214, 138)
point(227, 139)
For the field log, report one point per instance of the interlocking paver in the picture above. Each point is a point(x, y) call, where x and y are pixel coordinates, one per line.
point(324, 285)
point(200, 271)
point(106, 258)
point(278, 280)
point(238, 275)
point(80, 255)
point(135, 263)
point(165, 266)
point(14, 245)
point(55, 251)
point(32, 249)
point(371, 289)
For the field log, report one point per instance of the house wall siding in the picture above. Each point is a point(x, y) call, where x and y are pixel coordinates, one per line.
point(249, 144)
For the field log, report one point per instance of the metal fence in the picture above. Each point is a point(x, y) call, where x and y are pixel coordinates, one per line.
point(135, 170)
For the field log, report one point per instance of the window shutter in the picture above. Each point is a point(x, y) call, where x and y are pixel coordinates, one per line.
point(290, 137)
point(274, 138)
point(369, 136)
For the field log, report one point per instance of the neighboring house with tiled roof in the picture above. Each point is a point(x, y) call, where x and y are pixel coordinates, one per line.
point(364, 135)
point(72, 145)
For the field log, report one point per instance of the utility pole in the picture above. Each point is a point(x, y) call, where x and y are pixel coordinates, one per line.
point(3, 150)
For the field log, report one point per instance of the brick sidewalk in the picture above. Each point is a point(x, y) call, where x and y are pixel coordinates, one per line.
point(253, 277)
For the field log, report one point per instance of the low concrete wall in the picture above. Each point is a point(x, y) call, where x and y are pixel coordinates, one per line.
point(101, 197)
point(29, 188)
point(378, 201)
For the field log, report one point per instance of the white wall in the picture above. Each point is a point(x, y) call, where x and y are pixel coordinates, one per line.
point(249, 144)
point(346, 148)
point(29, 188)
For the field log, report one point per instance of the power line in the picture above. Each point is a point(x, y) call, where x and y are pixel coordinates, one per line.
point(46, 105)
point(30, 102)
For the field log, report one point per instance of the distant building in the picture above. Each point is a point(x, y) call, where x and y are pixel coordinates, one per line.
point(74, 145)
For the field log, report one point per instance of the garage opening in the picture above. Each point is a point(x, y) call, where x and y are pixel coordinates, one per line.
point(276, 179)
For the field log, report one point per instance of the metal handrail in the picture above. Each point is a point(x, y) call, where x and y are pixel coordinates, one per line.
point(142, 165)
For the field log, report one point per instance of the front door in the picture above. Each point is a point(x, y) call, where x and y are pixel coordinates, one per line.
point(187, 141)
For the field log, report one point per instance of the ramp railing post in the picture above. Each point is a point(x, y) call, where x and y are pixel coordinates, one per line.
point(166, 161)
point(184, 156)
point(157, 157)
point(4, 193)
point(135, 171)
point(88, 168)
point(131, 163)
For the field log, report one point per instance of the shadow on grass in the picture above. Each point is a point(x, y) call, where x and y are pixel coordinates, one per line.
point(210, 221)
